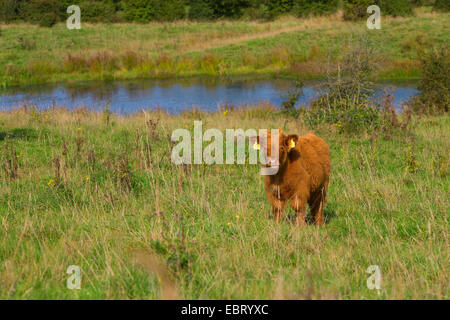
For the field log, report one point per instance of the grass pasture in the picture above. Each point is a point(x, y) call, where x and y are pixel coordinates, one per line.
point(100, 192)
point(285, 47)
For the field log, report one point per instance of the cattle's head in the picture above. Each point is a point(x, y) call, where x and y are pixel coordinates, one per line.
point(286, 145)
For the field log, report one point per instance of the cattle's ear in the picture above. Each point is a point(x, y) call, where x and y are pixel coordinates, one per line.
point(254, 142)
point(291, 141)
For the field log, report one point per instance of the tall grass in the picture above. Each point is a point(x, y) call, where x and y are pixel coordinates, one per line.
point(104, 195)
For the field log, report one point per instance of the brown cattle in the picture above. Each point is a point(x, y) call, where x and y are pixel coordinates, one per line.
point(302, 177)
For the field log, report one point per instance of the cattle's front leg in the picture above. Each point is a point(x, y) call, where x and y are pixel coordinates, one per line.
point(298, 203)
point(277, 208)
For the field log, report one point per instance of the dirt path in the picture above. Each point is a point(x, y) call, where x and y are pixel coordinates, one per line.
point(305, 24)
point(217, 43)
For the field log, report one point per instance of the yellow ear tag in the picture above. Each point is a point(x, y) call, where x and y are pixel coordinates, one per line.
point(256, 146)
point(291, 144)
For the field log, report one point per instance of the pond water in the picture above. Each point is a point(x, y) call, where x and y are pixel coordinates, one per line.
point(174, 96)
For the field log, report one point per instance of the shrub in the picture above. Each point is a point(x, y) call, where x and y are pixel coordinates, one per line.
point(200, 10)
point(170, 10)
point(435, 83)
point(48, 20)
point(442, 5)
point(8, 10)
point(289, 105)
point(357, 9)
point(153, 10)
point(418, 3)
point(304, 8)
point(229, 8)
point(390, 123)
point(346, 102)
point(276, 8)
point(140, 10)
point(257, 9)
point(42, 12)
point(97, 11)
point(348, 118)
point(396, 7)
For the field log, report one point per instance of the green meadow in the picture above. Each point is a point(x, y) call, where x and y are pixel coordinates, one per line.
point(99, 191)
point(285, 47)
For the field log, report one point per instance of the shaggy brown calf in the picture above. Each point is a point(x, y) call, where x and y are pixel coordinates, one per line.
point(302, 177)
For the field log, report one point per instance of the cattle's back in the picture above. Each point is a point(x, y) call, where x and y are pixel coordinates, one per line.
point(315, 157)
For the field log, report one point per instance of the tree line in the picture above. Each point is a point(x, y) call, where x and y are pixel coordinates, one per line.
point(49, 12)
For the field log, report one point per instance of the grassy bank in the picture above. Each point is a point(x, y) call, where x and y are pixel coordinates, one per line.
point(286, 47)
point(99, 191)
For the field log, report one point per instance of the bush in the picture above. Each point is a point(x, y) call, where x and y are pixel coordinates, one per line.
point(357, 9)
point(346, 102)
point(8, 10)
point(304, 8)
point(442, 5)
point(434, 86)
point(288, 106)
point(276, 8)
point(349, 118)
point(97, 11)
point(229, 8)
point(170, 10)
point(42, 12)
point(153, 10)
point(418, 3)
point(390, 123)
point(258, 11)
point(139, 10)
point(396, 7)
point(48, 20)
point(200, 10)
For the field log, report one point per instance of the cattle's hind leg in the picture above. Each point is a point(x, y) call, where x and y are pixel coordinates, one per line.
point(316, 204)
